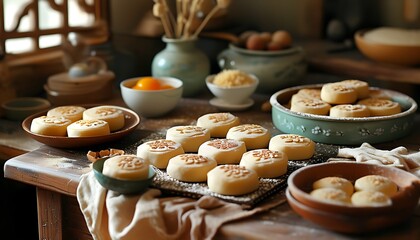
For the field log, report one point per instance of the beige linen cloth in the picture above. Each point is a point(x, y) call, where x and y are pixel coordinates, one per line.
point(110, 215)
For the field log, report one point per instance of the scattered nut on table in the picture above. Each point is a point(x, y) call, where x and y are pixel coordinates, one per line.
point(94, 156)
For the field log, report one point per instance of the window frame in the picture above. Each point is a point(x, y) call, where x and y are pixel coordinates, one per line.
point(98, 8)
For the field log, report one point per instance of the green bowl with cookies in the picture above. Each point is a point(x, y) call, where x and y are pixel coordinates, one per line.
point(125, 174)
point(342, 120)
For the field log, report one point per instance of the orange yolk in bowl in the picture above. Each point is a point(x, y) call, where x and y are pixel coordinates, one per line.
point(147, 83)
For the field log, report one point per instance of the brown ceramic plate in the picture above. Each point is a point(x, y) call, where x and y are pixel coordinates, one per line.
point(132, 120)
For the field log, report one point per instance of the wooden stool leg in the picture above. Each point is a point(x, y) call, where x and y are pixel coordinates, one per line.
point(49, 214)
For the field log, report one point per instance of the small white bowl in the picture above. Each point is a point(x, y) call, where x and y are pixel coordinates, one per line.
point(235, 94)
point(152, 103)
point(20, 108)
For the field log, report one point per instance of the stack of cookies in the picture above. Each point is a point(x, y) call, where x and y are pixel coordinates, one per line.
point(347, 98)
point(77, 121)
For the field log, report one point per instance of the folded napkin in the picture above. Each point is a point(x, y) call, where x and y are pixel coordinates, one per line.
point(110, 215)
point(397, 157)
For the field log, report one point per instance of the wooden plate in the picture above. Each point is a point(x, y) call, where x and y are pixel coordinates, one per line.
point(132, 120)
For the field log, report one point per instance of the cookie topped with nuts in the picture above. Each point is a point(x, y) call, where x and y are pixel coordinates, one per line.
point(295, 146)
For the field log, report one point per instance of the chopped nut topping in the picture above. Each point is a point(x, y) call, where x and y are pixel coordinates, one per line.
point(106, 111)
point(250, 129)
point(376, 102)
point(192, 130)
point(54, 120)
point(219, 117)
point(294, 138)
point(223, 143)
point(131, 163)
point(266, 154)
point(312, 102)
point(162, 145)
point(90, 123)
point(68, 110)
point(193, 159)
point(351, 108)
point(341, 88)
point(235, 171)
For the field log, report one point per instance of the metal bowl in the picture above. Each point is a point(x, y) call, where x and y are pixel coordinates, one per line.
point(343, 131)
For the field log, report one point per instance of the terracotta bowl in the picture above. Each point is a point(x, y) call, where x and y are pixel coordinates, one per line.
point(344, 131)
point(387, 53)
point(352, 218)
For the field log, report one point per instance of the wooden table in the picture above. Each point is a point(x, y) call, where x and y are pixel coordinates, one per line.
point(55, 173)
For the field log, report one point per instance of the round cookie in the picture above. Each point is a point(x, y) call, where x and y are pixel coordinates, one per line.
point(349, 110)
point(73, 113)
point(218, 123)
point(309, 105)
point(381, 107)
point(234, 180)
point(88, 128)
point(295, 146)
point(331, 195)
point(310, 93)
point(190, 137)
point(361, 87)
point(254, 135)
point(190, 167)
point(334, 182)
point(111, 114)
point(379, 93)
point(266, 163)
point(223, 151)
point(370, 199)
point(158, 152)
point(376, 183)
point(50, 125)
point(126, 167)
point(338, 93)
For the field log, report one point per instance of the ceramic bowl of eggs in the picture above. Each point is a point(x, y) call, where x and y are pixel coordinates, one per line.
point(353, 197)
point(347, 112)
point(271, 56)
point(151, 96)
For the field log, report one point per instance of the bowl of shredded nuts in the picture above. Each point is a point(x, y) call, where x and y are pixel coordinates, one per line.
point(232, 86)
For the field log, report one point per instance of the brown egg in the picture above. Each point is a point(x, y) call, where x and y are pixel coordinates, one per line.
point(282, 37)
point(243, 37)
point(266, 36)
point(255, 42)
point(274, 46)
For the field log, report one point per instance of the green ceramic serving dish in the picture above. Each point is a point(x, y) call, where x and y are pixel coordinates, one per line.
point(121, 186)
point(343, 131)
